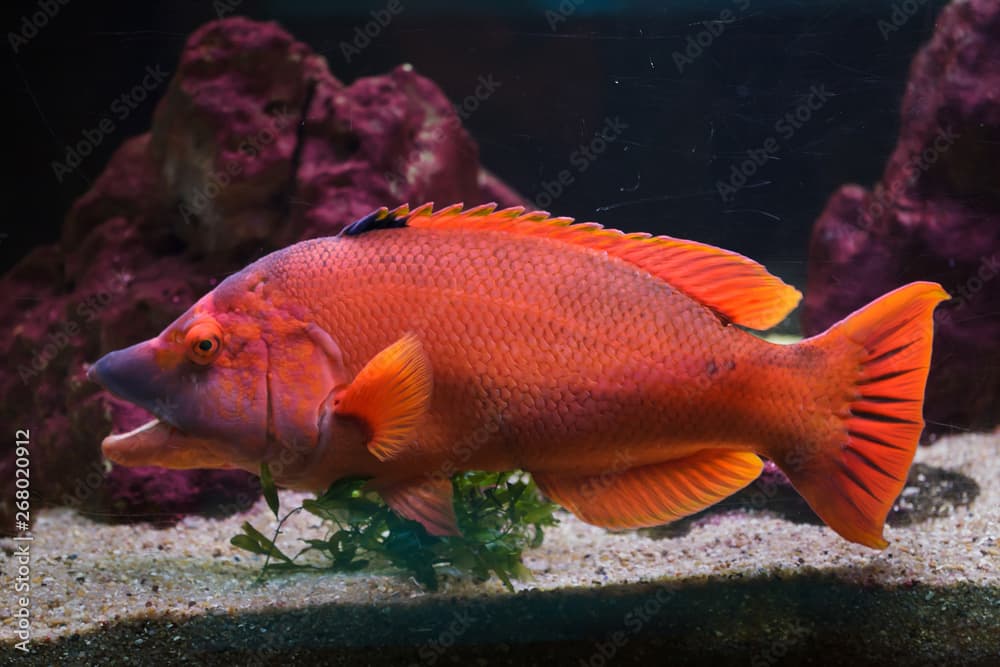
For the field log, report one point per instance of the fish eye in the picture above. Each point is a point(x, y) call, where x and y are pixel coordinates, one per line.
point(203, 341)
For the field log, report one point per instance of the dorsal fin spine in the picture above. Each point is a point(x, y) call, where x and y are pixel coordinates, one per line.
point(737, 288)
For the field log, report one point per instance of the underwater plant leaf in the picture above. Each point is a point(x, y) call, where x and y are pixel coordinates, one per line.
point(343, 490)
point(252, 540)
point(345, 499)
point(270, 491)
point(336, 510)
point(500, 515)
point(538, 538)
point(247, 543)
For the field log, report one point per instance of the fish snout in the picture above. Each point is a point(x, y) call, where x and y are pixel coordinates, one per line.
point(132, 374)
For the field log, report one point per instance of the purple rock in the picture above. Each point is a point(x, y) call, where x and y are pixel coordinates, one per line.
point(255, 145)
point(935, 215)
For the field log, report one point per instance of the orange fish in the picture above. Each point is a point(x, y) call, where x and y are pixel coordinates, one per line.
point(613, 367)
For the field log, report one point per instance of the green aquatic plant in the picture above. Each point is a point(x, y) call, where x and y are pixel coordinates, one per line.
point(499, 514)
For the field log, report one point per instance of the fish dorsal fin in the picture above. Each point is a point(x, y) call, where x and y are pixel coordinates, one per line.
point(381, 218)
point(390, 395)
point(736, 287)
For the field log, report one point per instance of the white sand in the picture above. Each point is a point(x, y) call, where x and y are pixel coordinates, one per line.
point(86, 575)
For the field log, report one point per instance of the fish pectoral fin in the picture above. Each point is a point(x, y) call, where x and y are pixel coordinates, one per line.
point(652, 495)
point(426, 501)
point(390, 395)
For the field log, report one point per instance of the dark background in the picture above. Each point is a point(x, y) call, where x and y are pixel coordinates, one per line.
point(685, 129)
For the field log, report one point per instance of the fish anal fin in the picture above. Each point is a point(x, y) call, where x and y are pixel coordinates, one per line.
point(426, 501)
point(654, 494)
point(390, 396)
point(736, 287)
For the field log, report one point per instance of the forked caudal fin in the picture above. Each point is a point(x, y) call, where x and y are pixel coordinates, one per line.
point(882, 352)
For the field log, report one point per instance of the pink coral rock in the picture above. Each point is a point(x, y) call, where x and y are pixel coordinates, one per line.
point(255, 145)
point(935, 216)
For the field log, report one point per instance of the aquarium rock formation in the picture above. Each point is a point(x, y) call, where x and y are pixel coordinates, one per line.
point(935, 215)
point(255, 145)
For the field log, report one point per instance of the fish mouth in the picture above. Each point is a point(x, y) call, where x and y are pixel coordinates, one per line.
point(158, 443)
point(188, 430)
point(138, 444)
point(133, 375)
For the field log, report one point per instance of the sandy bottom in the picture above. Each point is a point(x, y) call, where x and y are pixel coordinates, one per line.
point(89, 578)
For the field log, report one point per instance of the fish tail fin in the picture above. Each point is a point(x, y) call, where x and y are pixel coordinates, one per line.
point(870, 412)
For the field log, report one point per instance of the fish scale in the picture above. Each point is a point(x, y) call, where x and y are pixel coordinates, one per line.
point(613, 367)
point(552, 331)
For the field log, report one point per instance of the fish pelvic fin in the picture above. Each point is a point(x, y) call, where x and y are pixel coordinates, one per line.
point(427, 501)
point(736, 287)
point(879, 357)
point(651, 495)
point(390, 396)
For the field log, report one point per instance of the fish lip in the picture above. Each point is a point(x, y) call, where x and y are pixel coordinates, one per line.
point(99, 373)
point(138, 446)
point(157, 443)
point(114, 438)
point(159, 414)
point(166, 419)
point(149, 424)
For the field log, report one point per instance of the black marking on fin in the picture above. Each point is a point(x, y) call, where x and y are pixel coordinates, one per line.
point(377, 219)
point(858, 454)
point(873, 439)
point(888, 355)
point(879, 417)
point(872, 344)
point(851, 475)
point(872, 398)
point(885, 376)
